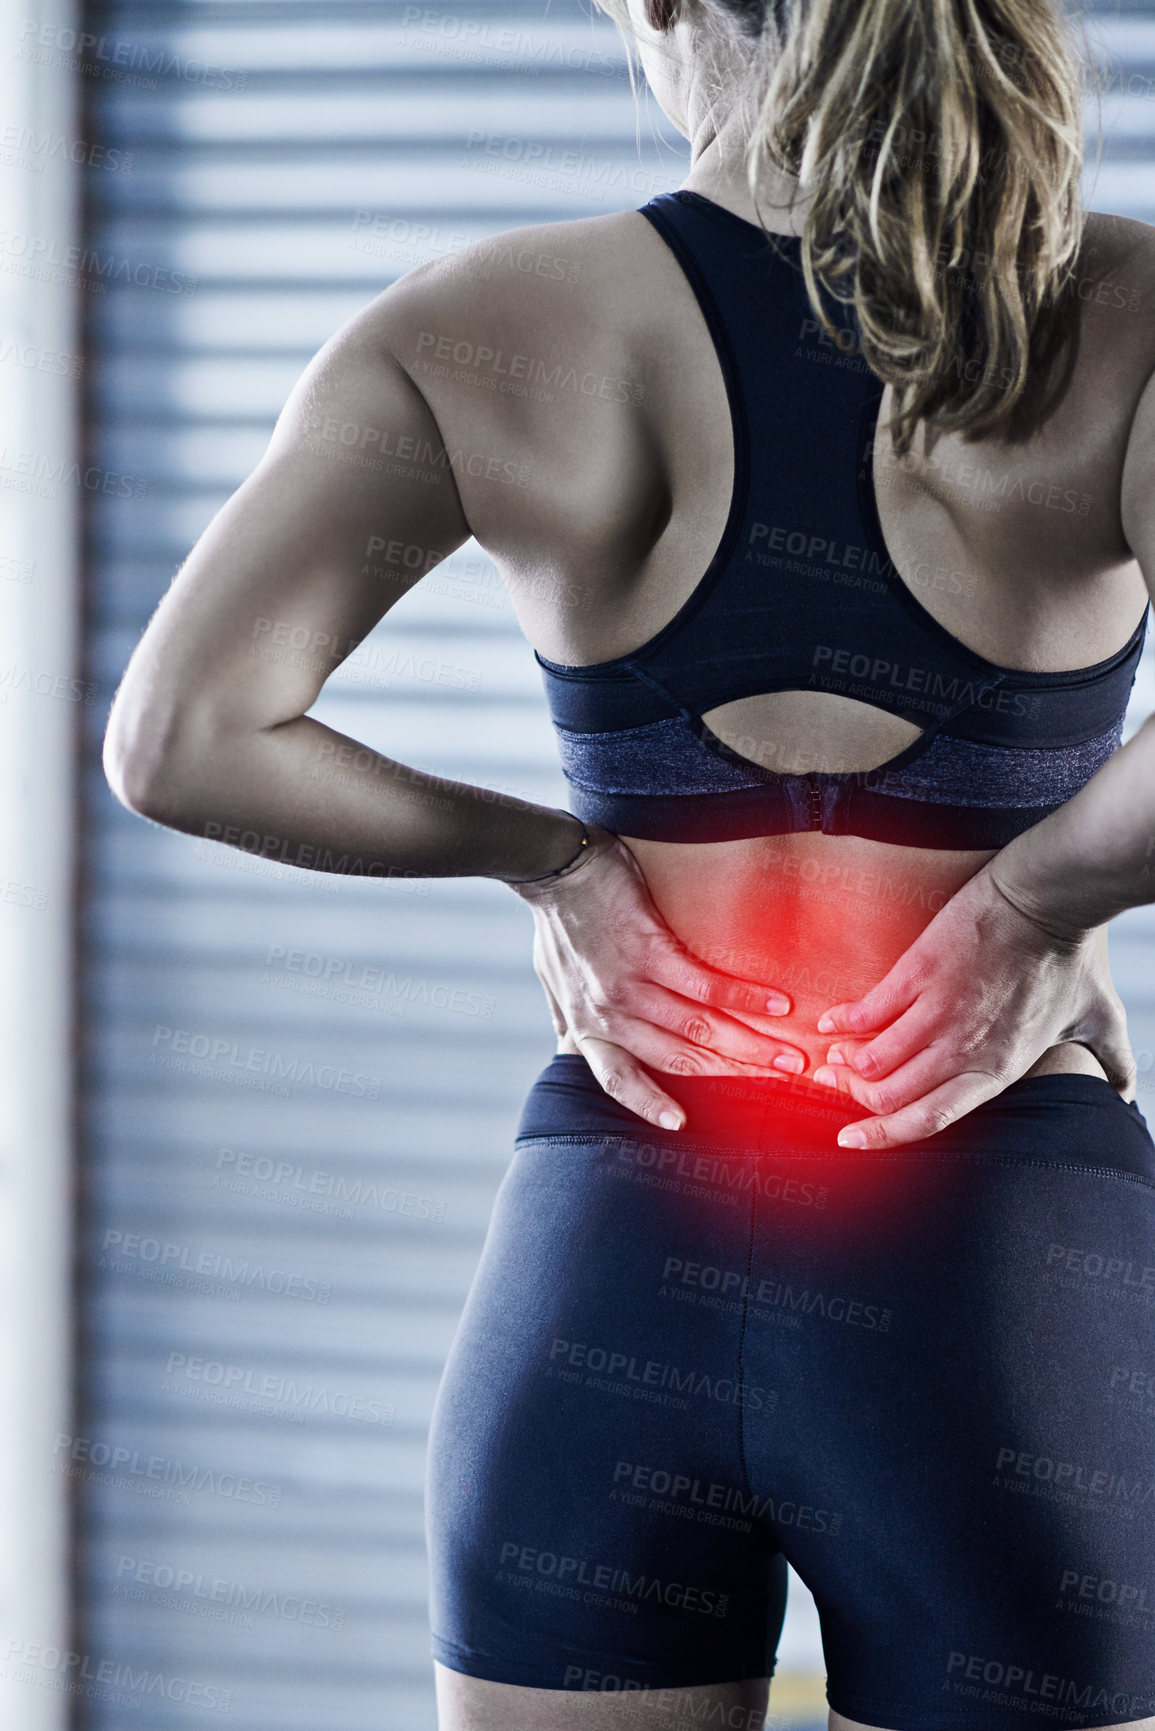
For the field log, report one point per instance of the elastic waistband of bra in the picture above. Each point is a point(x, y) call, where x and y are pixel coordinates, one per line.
point(1041, 1119)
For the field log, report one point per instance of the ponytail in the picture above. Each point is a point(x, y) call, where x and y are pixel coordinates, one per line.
point(942, 143)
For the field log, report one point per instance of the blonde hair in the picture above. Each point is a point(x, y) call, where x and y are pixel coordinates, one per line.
point(940, 143)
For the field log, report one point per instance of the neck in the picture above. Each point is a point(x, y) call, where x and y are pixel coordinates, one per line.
point(718, 165)
point(721, 179)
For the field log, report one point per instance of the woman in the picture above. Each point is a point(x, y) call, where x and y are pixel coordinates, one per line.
point(839, 677)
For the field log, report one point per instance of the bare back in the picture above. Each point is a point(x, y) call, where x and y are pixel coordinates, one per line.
point(577, 371)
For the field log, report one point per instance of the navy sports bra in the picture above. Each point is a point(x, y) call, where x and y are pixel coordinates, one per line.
point(802, 594)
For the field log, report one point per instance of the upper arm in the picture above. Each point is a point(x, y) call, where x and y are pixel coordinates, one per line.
point(353, 501)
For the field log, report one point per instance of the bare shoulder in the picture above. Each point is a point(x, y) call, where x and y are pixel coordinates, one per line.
point(1125, 249)
point(1118, 241)
point(1115, 274)
point(531, 290)
point(535, 352)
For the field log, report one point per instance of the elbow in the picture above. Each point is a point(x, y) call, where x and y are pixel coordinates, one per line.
point(131, 780)
point(138, 769)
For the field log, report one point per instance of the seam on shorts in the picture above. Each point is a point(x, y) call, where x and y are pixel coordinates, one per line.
point(588, 1139)
point(894, 1155)
point(742, 1344)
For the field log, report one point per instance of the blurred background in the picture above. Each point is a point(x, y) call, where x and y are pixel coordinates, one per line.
point(252, 1119)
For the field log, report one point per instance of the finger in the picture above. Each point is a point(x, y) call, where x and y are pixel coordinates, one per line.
point(841, 1050)
point(929, 1069)
point(883, 1053)
point(1109, 1042)
point(691, 978)
point(660, 1049)
point(679, 1057)
point(893, 994)
point(923, 1118)
point(697, 1024)
point(623, 1079)
point(1117, 1059)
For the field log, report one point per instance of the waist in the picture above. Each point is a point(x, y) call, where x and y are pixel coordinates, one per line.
point(1057, 1120)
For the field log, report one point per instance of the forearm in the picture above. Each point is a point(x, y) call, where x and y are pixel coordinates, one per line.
point(1095, 856)
point(303, 794)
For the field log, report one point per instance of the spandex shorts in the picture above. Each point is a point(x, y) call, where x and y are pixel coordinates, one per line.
point(923, 1377)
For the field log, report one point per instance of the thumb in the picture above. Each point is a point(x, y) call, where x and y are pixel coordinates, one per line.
point(1104, 1032)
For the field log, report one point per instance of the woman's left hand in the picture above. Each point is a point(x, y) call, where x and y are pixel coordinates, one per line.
point(968, 1008)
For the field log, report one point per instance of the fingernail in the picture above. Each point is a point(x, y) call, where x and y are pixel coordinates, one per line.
point(826, 1077)
point(788, 1061)
point(778, 1006)
point(851, 1139)
point(825, 1024)
point(835, 1056)
point(670, 1121)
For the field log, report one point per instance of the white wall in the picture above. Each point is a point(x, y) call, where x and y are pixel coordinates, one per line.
point(38, 715)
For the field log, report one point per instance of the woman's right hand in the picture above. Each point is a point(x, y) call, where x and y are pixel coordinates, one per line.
point(628, 992)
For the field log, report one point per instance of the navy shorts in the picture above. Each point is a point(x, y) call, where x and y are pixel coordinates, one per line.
point(923, 1377)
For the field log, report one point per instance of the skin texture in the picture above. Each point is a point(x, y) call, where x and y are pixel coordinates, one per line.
point(601, 511)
